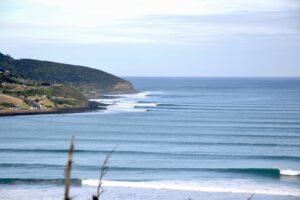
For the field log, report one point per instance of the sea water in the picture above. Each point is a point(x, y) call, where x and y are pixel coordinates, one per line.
point(176, 138)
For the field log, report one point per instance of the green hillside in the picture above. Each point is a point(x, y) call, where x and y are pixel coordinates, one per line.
point(92, 82)
point(26, 96)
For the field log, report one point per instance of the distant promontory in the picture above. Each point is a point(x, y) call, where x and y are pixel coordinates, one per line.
point(93, 83)
point(40, 87)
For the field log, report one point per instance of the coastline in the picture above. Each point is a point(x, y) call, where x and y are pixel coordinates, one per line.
point(92, 106)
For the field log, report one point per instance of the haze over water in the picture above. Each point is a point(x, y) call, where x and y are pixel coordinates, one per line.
point(178, 138)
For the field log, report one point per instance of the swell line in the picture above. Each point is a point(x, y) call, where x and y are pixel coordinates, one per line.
point(57, 181)
point(126, 141)
point(163, 154)
point(270, 172)
point(186, 134)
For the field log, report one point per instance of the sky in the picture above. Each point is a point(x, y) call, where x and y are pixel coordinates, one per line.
point(226, 38)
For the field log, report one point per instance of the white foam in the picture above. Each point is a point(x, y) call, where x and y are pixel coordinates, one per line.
point(139, 95)
point(135, 104)
point(125, 109)
point(113, 109)
point(289, 172)
point(122, 105)
point(125, 106)
point(144, 104)
point(127, 103)
point(108, 101)
point(133, 95)
point(232, 187)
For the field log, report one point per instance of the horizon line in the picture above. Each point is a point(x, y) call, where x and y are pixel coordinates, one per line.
point(134, 76)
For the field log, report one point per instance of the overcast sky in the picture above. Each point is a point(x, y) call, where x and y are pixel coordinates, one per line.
point(157, 37)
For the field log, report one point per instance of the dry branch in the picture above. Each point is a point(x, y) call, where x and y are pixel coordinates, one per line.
point(68, 170)
point(251, 197)
point(103, 171)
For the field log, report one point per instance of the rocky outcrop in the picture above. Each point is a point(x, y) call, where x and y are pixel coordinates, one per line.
point(124, 86)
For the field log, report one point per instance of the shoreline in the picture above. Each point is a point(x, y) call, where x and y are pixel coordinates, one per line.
point(92, 106)
point(114, 192)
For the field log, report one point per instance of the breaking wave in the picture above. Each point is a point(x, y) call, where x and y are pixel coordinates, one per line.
point(233, 187)
point(269, 172)
point(128, 102)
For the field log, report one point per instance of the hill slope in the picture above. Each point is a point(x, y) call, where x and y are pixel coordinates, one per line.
point(22, 96)
point(92, 82)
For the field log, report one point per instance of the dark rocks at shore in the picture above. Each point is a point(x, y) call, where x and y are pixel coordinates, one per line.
point(95, 105)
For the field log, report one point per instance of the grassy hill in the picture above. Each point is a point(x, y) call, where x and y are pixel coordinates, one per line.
point(92, 82)
point(21, 95)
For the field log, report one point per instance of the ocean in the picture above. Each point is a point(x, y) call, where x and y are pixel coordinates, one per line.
point(177, 139)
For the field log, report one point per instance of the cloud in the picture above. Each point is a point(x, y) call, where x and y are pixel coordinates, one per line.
point(144, 21)
point(95, 12)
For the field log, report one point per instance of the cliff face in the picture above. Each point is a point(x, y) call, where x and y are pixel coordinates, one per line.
point(125, 86)
point(92, 82)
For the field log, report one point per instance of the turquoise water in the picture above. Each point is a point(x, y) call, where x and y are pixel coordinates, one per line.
point(203, 138)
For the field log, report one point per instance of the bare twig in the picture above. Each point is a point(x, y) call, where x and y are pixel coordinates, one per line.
point(251, 196)
point(103, 171)
point(68, 170)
